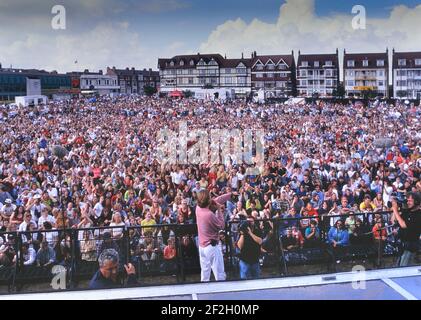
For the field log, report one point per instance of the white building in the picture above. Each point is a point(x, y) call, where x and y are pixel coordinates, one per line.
point(366, 74)
point(317, 74)
point(196, 72)
point(407, 75)
point(102, 84)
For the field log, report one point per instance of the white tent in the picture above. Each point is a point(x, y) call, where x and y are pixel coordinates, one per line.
point(30, 100)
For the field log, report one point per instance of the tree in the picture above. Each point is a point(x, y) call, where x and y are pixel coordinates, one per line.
point(401, 93)
point(339, 92)
point(187, 93)
point(149, 91)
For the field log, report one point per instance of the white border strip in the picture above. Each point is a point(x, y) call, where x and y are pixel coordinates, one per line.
point(399, 289)
point(217, 287)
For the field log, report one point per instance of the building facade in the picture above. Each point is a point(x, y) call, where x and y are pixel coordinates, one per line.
point(406, 75)
point(100, 83)
point(196, 72)
point(132, 81)
point(317, 74)
point(13, 83)
point(366, 74)
point(275, 75)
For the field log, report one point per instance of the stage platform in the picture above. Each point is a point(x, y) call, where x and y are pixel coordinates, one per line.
point(387, 284)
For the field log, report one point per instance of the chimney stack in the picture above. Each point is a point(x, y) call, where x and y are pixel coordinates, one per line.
point(100, 71)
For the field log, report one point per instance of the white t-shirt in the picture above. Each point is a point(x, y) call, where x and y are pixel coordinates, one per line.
point(117, 232)
point(98, 208)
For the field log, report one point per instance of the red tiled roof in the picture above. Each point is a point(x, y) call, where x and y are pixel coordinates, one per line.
point(410, 59)
point(371, 57)
point(322, 58)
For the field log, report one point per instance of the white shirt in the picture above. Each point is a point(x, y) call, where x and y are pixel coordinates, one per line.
point(176, 177)
point(117, 231)
point(30, 257)
point(8, 210)
point(98, 208)
point(23, 226)
point(49, 218)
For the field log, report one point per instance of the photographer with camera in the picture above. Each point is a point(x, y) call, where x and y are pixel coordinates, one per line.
point(409, 220)
point(249, 243)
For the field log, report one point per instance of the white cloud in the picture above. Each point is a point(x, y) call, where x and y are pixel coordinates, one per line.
point(105, 45)
point(299, 27)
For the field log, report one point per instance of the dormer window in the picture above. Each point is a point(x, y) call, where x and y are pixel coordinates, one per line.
point(380, 63)
point(191, 62)
point(172, 63)
point(365, 63)
point(181, 63)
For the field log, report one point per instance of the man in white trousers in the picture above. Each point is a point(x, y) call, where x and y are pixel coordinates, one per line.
point(209, 222)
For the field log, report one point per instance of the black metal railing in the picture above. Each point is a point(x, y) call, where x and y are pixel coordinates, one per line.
point(169, 253)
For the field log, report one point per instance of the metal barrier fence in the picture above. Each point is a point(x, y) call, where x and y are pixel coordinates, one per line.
point(68, 258)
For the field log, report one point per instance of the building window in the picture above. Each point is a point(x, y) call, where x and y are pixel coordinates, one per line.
point(304, 64)
point(380, 63)
point(365, 63)
point(181, 63)
point(418, 62)
point(190, 80)
point(191, 62)
point(228, 80)
point(259, 67)
point(316, 63)
point(172, 63)
point(401, 83)
point(328, 73)
point(350, 83)
point(259, 75)
point(303, 82)
point(380, 73)
point(228, 71)
point(380, 83)
point(270, 75)
point(303, 73)
point(329, 83)
point(241, 81)
point(402, 62)
point(271, 67)
point(351, 63)
point(329, 63)
point(241, 70)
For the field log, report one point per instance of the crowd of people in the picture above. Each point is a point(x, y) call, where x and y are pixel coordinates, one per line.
point(321, 160)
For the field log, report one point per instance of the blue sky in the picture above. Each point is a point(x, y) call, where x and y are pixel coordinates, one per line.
point(102, 33)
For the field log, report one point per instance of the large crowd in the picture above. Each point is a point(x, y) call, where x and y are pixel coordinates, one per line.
point(321, 159)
